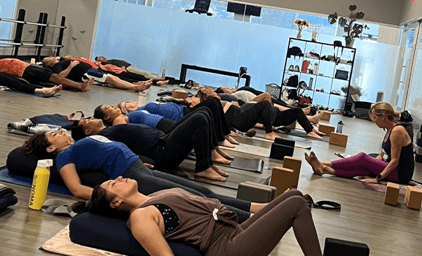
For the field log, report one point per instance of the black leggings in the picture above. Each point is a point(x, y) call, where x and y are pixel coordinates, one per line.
point(194, 132)
point(17, 84)
point(153, 181)
point(220, 122)
point(249, 114)
point(287, 117)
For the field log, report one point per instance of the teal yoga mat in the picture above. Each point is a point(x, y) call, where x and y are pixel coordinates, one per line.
point(7, 177)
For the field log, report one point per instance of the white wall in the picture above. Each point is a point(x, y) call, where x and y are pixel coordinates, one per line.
point(380, 11)
point(412, 9)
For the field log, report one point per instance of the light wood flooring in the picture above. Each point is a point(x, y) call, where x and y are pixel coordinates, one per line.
point(388, 230)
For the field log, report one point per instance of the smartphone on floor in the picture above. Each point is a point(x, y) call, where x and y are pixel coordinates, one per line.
point(342, 155)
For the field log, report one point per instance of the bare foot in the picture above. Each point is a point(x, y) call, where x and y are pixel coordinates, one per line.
point(51, 91)
point(306, 110)
point(271, 136)
point(222, 173)
point(314, 135)
point(223, 153)
point(161, 83)
point(225, 143)
point(210, 174)
point(316, 118)
point(217, 158)
point(318, 132)
point(317, 166)
point(231, 140)
point(233, 134)
point(149, 166)
point(85, 85)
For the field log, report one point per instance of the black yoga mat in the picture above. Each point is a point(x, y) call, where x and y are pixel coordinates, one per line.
point(252, 165)
point(301, 133)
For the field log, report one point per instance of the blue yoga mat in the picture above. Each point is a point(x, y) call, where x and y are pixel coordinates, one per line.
point(18, 180)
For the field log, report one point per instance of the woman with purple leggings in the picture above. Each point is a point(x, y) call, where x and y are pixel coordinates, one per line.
point(395, 162)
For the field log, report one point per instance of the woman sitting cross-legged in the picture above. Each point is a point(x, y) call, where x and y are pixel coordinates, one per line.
point(115, 159)
point(176, 112)
point(167, 150)
point(395, 162)
point(206, 223)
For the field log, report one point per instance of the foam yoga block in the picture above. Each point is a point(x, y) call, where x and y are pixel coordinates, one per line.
point(256, 192)
point(327, 129)
point(338, 139)
point(336, 247)
point(326, 116)
point(392, 193)
point(413, 197)
point(294, 164)
point(179, 94)
point(281, 178)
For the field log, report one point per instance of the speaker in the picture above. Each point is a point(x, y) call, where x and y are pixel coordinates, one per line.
point(337, 247)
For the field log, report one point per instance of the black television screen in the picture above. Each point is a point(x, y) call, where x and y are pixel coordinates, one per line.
point(236, 8)
point(253, 10)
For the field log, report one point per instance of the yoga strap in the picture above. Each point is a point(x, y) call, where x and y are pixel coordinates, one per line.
point(324, 204)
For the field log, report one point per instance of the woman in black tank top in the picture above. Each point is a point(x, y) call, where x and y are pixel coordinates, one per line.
point(395, 162)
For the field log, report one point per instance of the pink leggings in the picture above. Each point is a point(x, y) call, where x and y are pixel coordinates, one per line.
point(263, 231)
point(362, 165)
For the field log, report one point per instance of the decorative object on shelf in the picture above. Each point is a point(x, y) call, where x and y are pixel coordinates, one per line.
point(295, 51)
point(351, 28)
point(301, 24)
point(342, 74)
point(314, 35)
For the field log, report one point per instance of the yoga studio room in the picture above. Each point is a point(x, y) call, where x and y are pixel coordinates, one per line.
point(210, 127)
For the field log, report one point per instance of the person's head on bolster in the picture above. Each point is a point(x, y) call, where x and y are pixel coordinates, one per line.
point(48, 143)
point(86, 127)
point(112, 198)
point(107, 113)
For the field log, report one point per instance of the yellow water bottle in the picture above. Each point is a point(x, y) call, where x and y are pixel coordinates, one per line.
point(40, 184)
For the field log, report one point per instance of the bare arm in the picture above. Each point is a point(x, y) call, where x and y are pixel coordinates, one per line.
point(146, 229)
point(263, 96)
point(73, 182)
point(66, 72)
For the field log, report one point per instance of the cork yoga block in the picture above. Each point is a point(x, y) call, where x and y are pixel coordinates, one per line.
point(326, 116)
point(338, 139)
point(179, 94)
point(413, 197)
point(281, 178)
point(327, 129)
point(294, 164)
point(392, 193)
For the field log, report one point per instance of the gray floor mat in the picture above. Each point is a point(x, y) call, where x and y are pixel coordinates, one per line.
point(232, 182)
point(302, 134)
point(252, 165)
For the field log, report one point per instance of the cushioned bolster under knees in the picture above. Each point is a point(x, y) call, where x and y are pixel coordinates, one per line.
point(113, 235)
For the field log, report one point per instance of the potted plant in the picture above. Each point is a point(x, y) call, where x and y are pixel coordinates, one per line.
point(351, 28)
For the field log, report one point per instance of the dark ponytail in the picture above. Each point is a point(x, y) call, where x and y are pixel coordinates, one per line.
point(37, 145)
point(100, 205)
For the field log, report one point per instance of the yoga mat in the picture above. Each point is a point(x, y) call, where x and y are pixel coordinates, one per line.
point(7, 177)
point(252, 165)
point(298, 144)
point(186, 170)
point(250, 149)
point(61, 244)
point(303, 135)
point(383, 187)
point(7, 89)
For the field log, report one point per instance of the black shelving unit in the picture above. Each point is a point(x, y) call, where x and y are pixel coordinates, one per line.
point(323, 87)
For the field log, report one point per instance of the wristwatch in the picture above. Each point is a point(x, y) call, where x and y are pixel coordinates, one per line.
point(379, 177)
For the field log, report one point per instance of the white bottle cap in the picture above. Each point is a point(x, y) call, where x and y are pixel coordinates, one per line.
point(45, 163)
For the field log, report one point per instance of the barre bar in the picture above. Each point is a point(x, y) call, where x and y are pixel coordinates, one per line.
point(11, 43)
point(53, 45)
point(32, 23)
point(14, 21)
point(56, 26)
point(26, 44)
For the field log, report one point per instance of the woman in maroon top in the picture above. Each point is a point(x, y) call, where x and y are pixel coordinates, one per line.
point(175, 214)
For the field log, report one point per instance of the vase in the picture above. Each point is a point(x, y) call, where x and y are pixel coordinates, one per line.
point(349, 43)
point(314, 35)
point(299, 34)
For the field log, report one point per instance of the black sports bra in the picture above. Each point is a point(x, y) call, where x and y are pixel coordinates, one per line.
point(171, 221)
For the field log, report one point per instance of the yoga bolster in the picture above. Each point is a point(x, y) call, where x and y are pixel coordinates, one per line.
point(113, 235)
point(23, 165)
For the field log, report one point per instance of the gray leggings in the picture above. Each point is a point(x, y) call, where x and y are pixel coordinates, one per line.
point(262, 232)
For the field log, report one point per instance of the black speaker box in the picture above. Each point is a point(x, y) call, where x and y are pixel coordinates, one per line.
point(281, 148)
point(336, 247)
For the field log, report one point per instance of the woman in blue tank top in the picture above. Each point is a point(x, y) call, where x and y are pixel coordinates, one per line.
point(395, 162)
point(115, 159)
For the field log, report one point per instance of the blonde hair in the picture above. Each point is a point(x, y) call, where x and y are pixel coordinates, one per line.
point(384, 108)
point(122, 108)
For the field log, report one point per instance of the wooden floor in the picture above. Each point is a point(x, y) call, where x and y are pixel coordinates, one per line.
point(388, 230)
